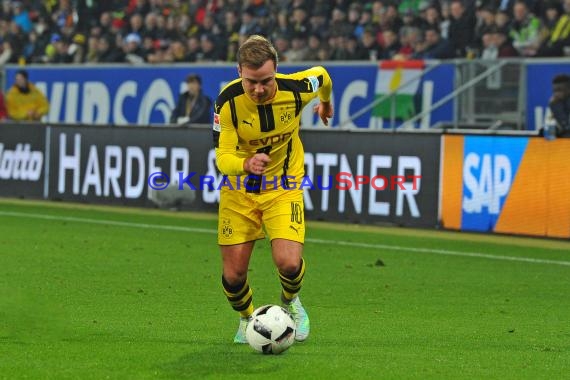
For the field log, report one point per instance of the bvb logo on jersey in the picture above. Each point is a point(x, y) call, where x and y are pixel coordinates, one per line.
point(227, 229)
point(286, 117)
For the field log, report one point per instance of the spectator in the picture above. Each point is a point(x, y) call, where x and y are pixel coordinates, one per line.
point(410, 37)
point(391, 44)
point(92, 49)
point(22, 17)
point(150, 26)
point(525, 29)
point(176, 52)
point(340, 51)
point(167, 29)
point(355, 49)
point(133, 50)
point(461, 28)
point(210, 50)
point(370, 46)
point(559, 104)
point(282, 28)
point(485, 21)
point(552, 13)
point(58, 50)
point(445, 20)
point(249, 24)
point(433, 46)
point(136, 25)
point(230, 25)
point(299, 21)
point(76, 49)
point(432, 17)
point(281, 43)
point(324, 53)
point(232, 49)
point(118, 27)
point(502, 19)
point(6, 13)
point(193, 48)
point(299, 50)
point(353, 18)
point(6, 52)
point(24, 102)
point(107, 51)
point(364, 23)
point(18, 40)
point(193, 106)
point(496, 44)
point(554, 46)
point(210, 27)
point(338, 24)
point(313, 44)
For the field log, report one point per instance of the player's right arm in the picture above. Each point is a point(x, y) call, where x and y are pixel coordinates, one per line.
point(227, 160)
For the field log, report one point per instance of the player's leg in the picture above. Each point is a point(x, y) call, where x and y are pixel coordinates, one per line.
point(239, 226)
point(235, 262)
point(288, 259)
point(285, 224)
point(287, 255)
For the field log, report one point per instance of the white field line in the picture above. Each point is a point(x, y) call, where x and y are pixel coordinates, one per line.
point(315, 241)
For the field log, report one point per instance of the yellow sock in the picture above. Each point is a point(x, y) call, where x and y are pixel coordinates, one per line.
point(240, 297)
point(291, 284)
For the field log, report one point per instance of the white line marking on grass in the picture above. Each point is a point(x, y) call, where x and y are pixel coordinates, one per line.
point(440, 252)
point(310, 240)
point(110, 222)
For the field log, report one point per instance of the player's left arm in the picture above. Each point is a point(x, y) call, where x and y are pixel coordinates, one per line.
point(320, 83)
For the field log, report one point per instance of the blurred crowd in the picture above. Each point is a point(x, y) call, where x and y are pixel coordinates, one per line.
point(166, 31)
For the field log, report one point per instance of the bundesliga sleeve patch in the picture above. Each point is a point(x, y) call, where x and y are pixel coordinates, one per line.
point(216, 126)
point(314, 81)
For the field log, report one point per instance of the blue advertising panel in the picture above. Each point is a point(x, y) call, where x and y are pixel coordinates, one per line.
point(539, 90)
point(490, 165)
point(142, 95)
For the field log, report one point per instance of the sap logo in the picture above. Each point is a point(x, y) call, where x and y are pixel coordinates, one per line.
point(271, 139)
point(21, 163)
point(488, 179)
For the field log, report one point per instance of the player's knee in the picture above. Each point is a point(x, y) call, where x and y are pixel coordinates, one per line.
point(235, 277)
point(289, 267)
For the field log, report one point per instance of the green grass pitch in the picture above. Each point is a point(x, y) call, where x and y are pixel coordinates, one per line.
point(112, 293)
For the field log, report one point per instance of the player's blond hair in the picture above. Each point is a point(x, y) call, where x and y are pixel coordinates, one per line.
point(255, 51)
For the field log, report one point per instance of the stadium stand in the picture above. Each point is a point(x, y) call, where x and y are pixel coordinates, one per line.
point(163, 31)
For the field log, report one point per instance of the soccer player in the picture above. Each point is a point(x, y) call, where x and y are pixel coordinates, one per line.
point(258, 149)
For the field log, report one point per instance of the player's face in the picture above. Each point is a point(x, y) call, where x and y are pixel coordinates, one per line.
point(259, 84)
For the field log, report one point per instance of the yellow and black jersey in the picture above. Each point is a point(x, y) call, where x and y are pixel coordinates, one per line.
point(243, 127)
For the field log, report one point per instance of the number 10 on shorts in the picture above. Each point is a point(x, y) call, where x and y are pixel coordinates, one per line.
point(296, 212)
